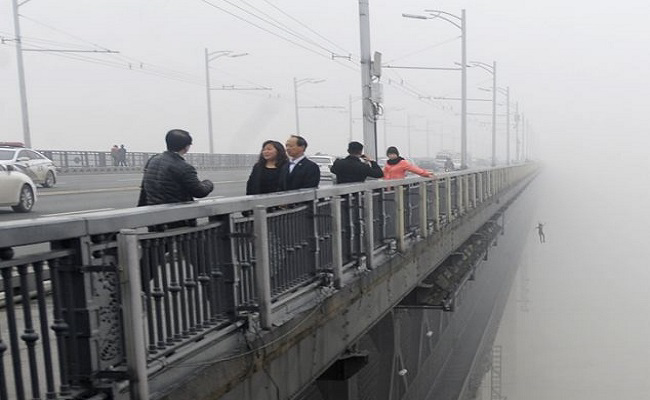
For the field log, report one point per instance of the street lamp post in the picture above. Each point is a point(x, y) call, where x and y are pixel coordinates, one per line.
point(21, 75)
point(210, 56)
point(492, 69)
point(459, 22)
point(296, 84)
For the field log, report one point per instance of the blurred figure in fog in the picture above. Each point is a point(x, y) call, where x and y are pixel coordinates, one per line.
point(121, 156)
point(115, 155)
point(396, 166)
point(449, 165)
point(265, 176)
point(356, 167)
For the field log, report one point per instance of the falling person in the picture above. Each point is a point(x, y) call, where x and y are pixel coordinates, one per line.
point(540, 232)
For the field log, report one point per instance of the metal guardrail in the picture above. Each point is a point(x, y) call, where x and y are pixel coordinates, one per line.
point(78, 160)
point(127, 302)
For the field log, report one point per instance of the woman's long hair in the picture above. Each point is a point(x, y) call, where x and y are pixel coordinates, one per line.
point(280, 159)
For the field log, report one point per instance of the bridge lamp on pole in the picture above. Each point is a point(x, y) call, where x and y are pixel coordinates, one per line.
point(459, 22)
point(492, 69)
point(209, 57)
point(296, 84)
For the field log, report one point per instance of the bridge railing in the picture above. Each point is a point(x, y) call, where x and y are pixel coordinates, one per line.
point(71, 160)
point(126, 302)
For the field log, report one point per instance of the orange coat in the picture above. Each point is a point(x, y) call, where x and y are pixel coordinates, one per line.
point(398, 171)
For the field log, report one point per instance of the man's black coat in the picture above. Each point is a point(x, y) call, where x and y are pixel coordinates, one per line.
point(351, 169)
point(305, 175)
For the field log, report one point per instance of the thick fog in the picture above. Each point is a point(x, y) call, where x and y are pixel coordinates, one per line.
point(578, 71)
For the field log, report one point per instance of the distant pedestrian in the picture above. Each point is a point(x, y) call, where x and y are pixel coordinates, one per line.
point(396, 166)
point(122, 156)
point(115, 155)
point(356, 167)
point(300, 172)
point(265, 176)
point(168, 178)
point(449, 165)
point(540, 232)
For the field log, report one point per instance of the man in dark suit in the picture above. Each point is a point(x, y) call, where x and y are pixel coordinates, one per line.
point(356, 167)
point(300, 172)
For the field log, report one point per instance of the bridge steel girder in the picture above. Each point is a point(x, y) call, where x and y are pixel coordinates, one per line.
point(294, 354)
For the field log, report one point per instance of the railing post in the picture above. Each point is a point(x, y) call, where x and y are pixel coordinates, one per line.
point(134, 339)
point(459, 195)
point(436, 205)
point(337, 242)
point(466, 190)
point(262, 265)
point(399, 219)
point(368, 225)
point(473, 194)
point(449, 205)
point(424, 223)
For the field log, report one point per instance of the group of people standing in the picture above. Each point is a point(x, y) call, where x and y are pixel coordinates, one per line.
point(168, 178)
point(118, 154)
point(281, 168)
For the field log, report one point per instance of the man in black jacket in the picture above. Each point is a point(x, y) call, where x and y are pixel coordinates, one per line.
point(300, 172)
point(356, 167)
point(168, 178)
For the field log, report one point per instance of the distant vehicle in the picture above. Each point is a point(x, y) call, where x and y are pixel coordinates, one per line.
point(17, 190)
point(324, 163)
point(32, 163)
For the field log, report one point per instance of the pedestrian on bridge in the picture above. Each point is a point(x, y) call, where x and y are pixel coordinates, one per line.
point(396, 166)
point(121, 155)
point(168, 178)
point(356, 167)
point(265, 176)
point(300, 172)
point(115, 154)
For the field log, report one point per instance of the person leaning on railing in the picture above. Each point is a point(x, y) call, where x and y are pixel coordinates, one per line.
point(396, 166)
point(168, 178)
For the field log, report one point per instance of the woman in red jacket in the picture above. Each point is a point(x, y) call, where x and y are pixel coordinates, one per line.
point(396, 166)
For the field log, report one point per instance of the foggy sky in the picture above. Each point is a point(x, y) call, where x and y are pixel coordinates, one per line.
point(577, 69)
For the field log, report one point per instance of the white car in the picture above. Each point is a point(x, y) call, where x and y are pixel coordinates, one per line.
point(32, 163)
point(17, 190)
point(324, 163)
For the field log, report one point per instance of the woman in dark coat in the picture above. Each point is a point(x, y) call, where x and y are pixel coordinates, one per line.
point(265, 176)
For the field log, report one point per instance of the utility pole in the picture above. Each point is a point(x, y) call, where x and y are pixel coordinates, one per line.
point(524, 154)
point(369, 122)
point(21, 76)
point(209, 98)
point(428, 141)
point(508, 125)
point(517, 120)
point(463, 104)
point(350, 115)
point(408, 133)
point(494, 113)
point(295, 98)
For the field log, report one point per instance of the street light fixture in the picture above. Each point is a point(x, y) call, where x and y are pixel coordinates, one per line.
point(296, 84)
point(459, 22)
point(492, 69)
point(211, 56)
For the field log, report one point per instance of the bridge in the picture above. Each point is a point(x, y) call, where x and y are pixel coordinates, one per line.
point(384, 290)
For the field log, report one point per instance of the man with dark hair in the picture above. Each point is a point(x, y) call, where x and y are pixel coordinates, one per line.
point(300, 172)
point(356, 167)
point(168, 178)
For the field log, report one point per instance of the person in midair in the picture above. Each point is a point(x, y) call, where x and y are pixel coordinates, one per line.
point(540, 232)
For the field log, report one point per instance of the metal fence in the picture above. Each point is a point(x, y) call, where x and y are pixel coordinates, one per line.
point(71, 160)
point(127, 300)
